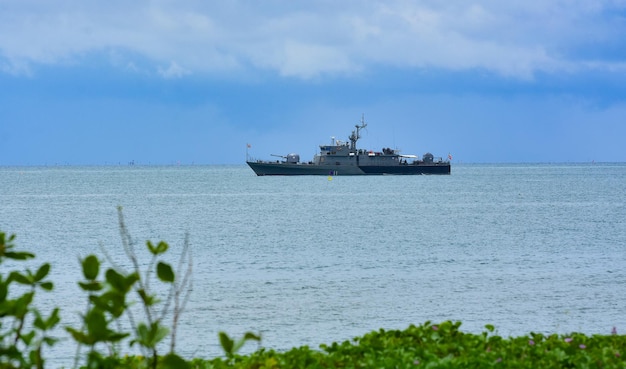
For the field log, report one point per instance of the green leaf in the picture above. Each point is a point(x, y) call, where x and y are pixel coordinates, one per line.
point(115, 279)
point(148, 300)
point(42, 272)
point(80, 337)
point(19, 278)
point(160, 248)
point(248, 336)
point(150, 337)
point(251, 336)
point(116, 336)
point(19, 255)
point(131, 279)
point(91, 267)
point(165, 272)
point(53, 319)
point(98, 330)
point(96, 325)
point(142, 330)
point(48, 286)
point(28, 337)
point(50, 341)
point(151, 247)
point(39, 323)
point(4, 290)
point(160, 332)
point(91, 286)
point(113, 302)
point(227, 343)
point(120, 283)
point(173, 361)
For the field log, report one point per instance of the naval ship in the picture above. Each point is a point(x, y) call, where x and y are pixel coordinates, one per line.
point(344, 158)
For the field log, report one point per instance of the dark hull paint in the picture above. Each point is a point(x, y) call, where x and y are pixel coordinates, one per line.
point(410, 169)
point(287, 169)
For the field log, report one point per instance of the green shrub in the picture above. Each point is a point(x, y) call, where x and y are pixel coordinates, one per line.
point(22, 347)
point(442, 346)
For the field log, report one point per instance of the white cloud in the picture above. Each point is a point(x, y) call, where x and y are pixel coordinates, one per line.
point(15, 67)
point(173, 71)
point(308, 60)
point(514, 38)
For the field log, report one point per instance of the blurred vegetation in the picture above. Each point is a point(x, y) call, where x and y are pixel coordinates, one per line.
point(26, 332)
point(442, 346)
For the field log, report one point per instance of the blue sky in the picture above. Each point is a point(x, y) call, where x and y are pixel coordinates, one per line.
point(191, 82)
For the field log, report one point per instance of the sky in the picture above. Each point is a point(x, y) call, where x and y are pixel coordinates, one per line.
point(85, 82)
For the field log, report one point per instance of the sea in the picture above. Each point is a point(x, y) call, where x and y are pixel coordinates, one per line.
point(312, 260)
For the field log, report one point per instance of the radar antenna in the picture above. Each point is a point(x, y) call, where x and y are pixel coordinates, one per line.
point(356, 134)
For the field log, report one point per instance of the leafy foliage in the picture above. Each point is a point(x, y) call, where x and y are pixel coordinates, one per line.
point(110, 299)
point(442, 346)
point(24, 331)
point(231, 347)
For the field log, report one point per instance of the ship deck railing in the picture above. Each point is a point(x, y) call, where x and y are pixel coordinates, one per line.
point(260, 161)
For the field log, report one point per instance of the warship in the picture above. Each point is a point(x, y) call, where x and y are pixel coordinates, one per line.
point(344, 158)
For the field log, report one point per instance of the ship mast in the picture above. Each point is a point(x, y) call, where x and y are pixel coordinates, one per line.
point(354, 137)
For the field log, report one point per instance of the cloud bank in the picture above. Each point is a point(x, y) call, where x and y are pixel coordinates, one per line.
point(305, 40)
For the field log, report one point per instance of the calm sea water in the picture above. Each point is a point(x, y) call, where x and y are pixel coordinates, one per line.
point(308, 260)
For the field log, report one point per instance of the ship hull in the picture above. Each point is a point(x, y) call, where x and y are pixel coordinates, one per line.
point(300, 169)
point(409, 169)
